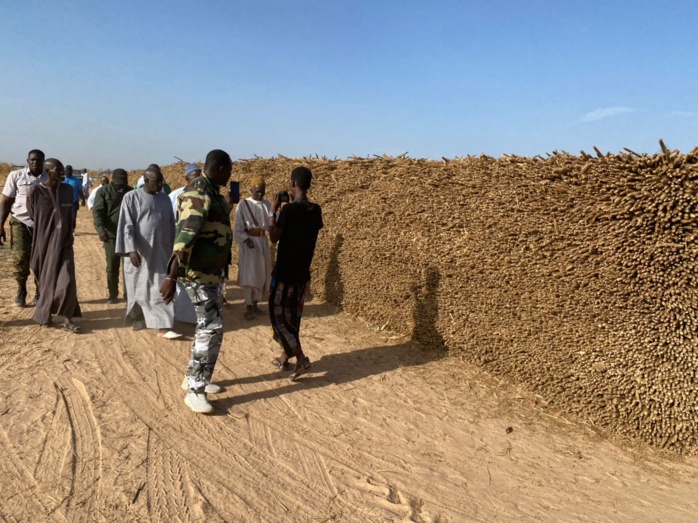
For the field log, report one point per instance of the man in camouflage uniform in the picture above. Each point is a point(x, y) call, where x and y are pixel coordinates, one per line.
point(105, 215)
point(199, 259)
point(14, 200)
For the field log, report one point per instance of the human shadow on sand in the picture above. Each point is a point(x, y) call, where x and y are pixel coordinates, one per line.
point(102, 301)
point(89, 321)
point(330, 369)
point(19, 322)
point(234, 320)
point(101, 320)
point(336, 369)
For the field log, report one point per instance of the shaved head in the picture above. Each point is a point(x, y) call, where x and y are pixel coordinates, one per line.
point(153, 179)
point(54, 170)
point(218, 167)
point(51, 162)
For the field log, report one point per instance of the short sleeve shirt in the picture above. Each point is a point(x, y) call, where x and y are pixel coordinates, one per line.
point(300, 222)
point(17, 186)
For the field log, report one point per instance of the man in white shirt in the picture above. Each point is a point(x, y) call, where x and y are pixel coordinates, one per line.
point(86, 183)
point(14, 201)
point(93, 194)
point(191, 171)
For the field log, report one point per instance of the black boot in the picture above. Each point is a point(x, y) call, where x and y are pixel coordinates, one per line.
point(21, 298)
point(36, 299)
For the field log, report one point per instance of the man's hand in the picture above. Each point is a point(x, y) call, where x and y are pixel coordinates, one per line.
point(229, 198)
point(249, 243)
point(3, 238)
point(104, 237)
point(168, 290)
point(275, 203)
point(135, 259)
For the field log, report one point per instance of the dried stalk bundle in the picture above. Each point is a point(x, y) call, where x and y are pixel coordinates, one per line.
point(576, 276)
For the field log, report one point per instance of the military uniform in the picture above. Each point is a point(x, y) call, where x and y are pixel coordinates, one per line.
point(202, 246)
point(17, 186)
point(105, 215)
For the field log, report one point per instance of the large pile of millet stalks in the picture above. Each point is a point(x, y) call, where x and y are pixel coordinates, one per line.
point(574, 276)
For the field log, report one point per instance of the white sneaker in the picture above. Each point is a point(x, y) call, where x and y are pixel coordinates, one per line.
point(211, 388)
point(171, 335)
point(198, 402)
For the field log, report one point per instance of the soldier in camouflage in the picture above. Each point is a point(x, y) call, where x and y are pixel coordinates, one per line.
point(199, 259)
point(14, 201)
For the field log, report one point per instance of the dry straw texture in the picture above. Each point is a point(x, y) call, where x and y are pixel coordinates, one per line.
point(572, 275)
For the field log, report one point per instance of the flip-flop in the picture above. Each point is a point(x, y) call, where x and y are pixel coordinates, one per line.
point(281, 364)
point(301, 368)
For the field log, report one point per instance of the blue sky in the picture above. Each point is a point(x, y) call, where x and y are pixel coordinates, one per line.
point(124, 84)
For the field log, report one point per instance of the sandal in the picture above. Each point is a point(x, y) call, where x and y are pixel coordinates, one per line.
point(301, 368)
point(281, 364)
point(71, 327)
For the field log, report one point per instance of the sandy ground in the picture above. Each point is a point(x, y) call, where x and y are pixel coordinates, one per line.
point(93, 428)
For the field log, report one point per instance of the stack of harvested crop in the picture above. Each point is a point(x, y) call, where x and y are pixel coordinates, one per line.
point(572, 275)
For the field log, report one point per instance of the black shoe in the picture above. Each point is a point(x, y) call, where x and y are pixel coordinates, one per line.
point(21, 298)
point(112, 300)
point(36, 299)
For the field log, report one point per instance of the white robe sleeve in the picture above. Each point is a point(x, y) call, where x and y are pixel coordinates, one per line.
point(266, 208)
point(125, 232)
point(91, 197)
point(239, 234)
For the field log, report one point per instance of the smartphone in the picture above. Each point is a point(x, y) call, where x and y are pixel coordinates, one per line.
point(235, 192)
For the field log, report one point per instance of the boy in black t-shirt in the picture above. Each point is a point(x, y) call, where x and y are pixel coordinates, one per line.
point(296, 230)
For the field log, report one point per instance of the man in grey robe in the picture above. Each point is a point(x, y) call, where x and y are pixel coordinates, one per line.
point(144, 237)
point(50, 206)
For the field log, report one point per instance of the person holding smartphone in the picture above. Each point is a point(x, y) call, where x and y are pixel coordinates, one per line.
point(296, 230)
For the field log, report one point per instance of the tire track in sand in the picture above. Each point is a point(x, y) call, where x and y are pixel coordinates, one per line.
point(54, 451)
point(192, 437)
point(86, 451)
point(313, 455)
point(319, 459)
point(21, 497)
point(287, 438)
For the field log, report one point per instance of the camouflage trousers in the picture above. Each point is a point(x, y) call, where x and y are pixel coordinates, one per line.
point(208, 338)
point(21, 243)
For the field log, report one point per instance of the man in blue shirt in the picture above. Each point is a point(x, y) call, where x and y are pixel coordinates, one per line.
point(78, 194)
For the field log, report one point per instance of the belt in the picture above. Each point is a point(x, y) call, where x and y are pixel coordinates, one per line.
point(259, 233)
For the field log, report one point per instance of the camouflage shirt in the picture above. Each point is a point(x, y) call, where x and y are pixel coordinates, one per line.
point(204, 237)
